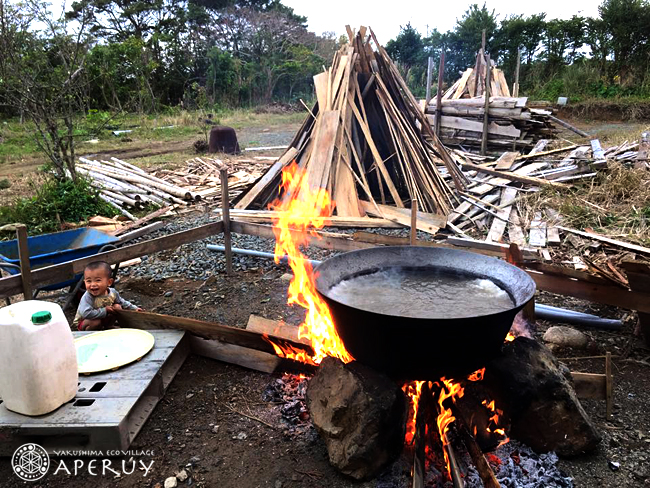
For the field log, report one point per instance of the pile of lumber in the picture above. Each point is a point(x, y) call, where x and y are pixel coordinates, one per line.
point(511, 124)
point(366, 141)
point(126, 186)
point(201, 176)
point(495, 199)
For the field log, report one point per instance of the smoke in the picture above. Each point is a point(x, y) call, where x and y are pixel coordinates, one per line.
point(521, 327)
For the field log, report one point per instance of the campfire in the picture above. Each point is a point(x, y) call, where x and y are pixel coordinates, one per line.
point(360, 406)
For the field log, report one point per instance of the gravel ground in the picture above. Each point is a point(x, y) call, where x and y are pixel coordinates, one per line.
point(194, 427)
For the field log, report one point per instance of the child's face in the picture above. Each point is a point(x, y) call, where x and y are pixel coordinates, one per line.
point(96, 281)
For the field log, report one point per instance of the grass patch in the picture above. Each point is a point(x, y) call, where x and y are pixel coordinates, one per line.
point(55, 202)
point(616, 203)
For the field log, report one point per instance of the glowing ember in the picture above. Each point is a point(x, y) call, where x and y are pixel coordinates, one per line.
point(302, 209)
point(413, 390)
point(477, 375)
point(510, 337)
point(452, 390)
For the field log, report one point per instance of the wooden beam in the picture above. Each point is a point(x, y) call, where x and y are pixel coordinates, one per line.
point(275, 328)
point(426, 222)
point(568, 126)
point(613, 242)
point(429, 77)
point(233, 354)
point(56, 273)
point(531, 180)
point(23, 256)
point(323, 240)
point(414, 222)
point(207, 330)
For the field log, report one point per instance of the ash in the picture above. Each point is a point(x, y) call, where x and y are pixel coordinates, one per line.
point(289, 393)
point(518, 466)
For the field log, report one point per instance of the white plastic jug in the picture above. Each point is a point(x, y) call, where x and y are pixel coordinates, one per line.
point(38, 359)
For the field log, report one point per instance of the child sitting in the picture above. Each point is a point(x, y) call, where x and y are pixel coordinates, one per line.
point(98, 304)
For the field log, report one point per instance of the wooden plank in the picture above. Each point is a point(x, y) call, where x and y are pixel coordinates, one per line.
point(207, 330)
point(375, 154)
point(537, 235)
point(506, 160)
point(590, 385)
point(319, 164)
point(268, 177)
point(23, 256)
point(515, 232)
point(332, 221)
point(56, 273)
point(513, 176)
point(233, 354)
point(638, 275)
point(321, 81)
point(461, 123)
point(599, 293)
point(613, 242)
point(275, 328)
point(316, 239)
point(426, 222)
point(499, 224)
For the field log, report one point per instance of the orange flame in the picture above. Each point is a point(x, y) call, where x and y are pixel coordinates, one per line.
point(491, 406)
point(477, 375)
point(510, 337)
point(452, 390)
point(413, 390)
point(299, 213)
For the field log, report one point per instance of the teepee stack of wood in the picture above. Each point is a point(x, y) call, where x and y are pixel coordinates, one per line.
point(366, 141)
point(512, 125)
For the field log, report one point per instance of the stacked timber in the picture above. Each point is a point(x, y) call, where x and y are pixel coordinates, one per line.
point(366, 141)
point(126, 186)
point(511, 124)
point(201, 176)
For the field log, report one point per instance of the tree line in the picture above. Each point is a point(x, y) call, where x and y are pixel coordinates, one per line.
point(579, 57)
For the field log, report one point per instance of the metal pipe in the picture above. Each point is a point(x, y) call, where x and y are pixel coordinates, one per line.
point(257, 254)
point(546, 312)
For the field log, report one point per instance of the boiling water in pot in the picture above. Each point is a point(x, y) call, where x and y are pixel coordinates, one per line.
point(428, 293)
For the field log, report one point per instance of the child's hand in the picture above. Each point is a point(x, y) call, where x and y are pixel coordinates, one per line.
point(139, 309)
point(110, 309)
point(117, 306)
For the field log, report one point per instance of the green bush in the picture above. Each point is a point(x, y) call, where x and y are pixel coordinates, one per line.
point(56, 202)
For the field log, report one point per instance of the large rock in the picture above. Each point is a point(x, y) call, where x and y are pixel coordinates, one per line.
point(538, 395)
point(360, 415)
point(566, 337)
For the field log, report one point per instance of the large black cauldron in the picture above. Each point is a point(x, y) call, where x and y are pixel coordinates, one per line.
point(424, 349)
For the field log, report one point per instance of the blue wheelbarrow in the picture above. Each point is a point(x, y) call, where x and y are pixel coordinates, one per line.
point(56, 248)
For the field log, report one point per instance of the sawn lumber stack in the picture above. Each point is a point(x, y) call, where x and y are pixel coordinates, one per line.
point(512, 125)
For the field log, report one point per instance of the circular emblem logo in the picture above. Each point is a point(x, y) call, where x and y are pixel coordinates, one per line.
point(30, 462)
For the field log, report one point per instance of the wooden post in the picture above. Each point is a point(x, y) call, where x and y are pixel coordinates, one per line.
point(225, 215)
point(486, 93)
point(441, 70)
point(642, 155)
point(515, 87)
point(414, 221)
point(429, 76)
point(23, 255)
point(483, 41)
point(608, 385)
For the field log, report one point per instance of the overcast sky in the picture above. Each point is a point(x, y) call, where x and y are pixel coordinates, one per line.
point(386, 16)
